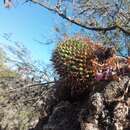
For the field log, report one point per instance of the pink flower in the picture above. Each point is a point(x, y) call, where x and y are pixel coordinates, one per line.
point(99, 76)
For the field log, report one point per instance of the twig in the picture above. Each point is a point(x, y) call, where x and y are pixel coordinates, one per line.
point(31, 85)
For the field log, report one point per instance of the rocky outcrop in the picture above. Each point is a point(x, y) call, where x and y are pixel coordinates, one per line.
point(106, 107)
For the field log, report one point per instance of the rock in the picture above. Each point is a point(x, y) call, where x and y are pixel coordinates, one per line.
point(64, 116)
point(120, 114)
point(116, 89)
point(105, 107)
point(88, 126)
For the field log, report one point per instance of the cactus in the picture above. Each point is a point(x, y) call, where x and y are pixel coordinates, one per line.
point(72, 59)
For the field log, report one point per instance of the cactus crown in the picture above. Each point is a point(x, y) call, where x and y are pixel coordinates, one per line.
point(72, 59)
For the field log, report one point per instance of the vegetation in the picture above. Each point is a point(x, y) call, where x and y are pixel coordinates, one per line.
point(78, 100)
point(5, 71)
point(105, 21)
point(2, 58)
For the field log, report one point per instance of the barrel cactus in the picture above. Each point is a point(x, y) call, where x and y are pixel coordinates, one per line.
point(72, 60)
point(79, 63)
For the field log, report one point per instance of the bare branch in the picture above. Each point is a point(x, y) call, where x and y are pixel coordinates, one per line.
point(60, 13)
point(43, 84)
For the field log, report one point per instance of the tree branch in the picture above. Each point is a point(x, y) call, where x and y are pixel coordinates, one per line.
point(37, 84)
point(32, 85)
point(60, 13)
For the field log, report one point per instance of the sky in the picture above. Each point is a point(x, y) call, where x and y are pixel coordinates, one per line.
point(28, 23)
